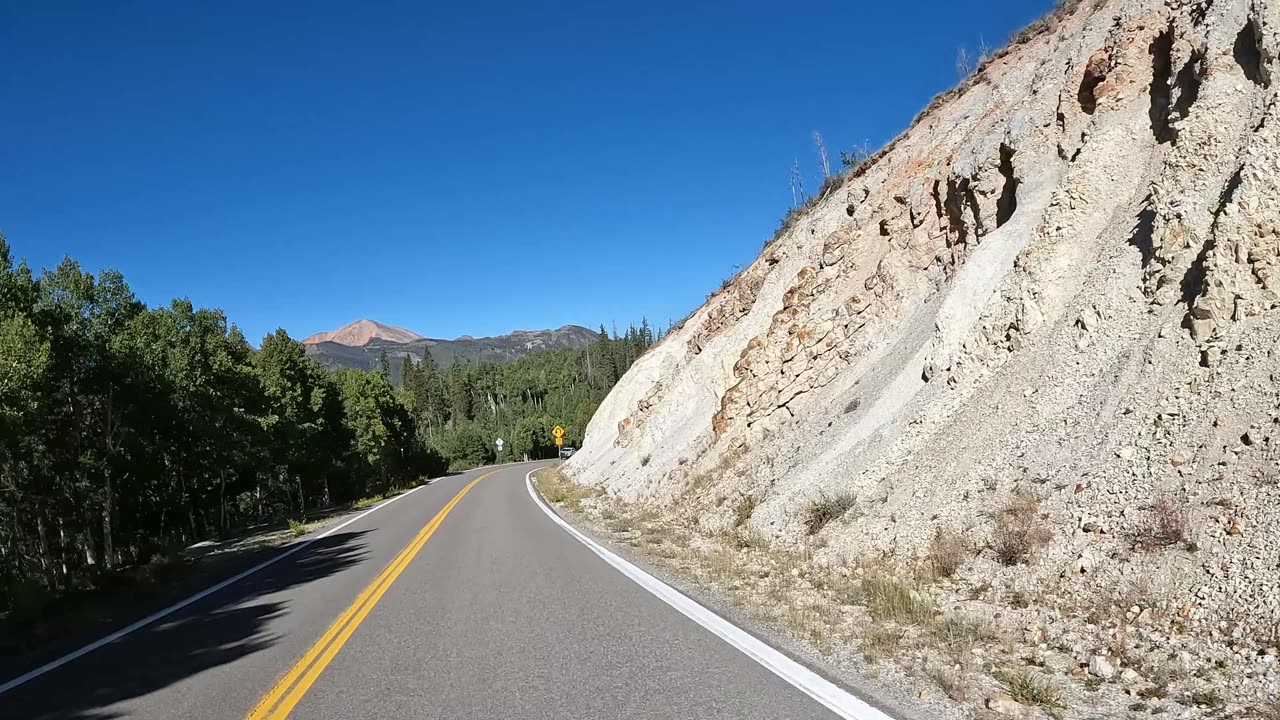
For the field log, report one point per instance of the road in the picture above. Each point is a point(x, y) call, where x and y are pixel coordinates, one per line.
point(460, 600)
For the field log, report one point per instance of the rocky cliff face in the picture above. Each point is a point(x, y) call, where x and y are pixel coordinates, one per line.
point(1060, 281)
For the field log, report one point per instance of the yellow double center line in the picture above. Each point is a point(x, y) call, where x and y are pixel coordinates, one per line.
point(278, 703)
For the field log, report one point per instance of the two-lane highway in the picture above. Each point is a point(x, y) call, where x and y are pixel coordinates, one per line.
point(462, 599)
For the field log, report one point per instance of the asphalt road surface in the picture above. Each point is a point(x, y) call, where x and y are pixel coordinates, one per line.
point(438, 605)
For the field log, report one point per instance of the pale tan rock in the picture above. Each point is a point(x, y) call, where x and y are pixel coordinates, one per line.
point(1002, 704)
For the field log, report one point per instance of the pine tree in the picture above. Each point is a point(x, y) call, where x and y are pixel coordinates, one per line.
point(607, 365)
point(384, 365)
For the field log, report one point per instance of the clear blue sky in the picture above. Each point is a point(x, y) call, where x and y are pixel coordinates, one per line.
point(471, 167)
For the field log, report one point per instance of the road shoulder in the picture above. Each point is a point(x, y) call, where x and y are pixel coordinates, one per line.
point(640, 545)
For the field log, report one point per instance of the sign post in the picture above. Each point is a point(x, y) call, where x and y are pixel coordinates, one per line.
point(558, 434)
point(498, 442)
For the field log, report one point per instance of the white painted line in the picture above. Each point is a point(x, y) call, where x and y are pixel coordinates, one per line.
point(802, 678)
point(54, 664)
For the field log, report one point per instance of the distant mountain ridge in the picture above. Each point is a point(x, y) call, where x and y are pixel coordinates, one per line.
point(362, 343)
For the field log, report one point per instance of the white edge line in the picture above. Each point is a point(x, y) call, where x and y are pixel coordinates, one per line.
point(834, 698)
point(108, 639)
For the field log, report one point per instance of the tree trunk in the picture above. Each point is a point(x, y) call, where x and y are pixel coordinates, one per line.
point(46, 563)
point(108, 550)
point(222, 500)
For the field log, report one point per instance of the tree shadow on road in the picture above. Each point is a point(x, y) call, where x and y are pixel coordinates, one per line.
point(214, 631)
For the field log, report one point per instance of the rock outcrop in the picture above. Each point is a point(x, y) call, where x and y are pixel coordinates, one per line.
point(1061, 280)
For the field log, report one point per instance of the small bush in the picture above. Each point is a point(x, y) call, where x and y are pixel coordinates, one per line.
point(852, 405)
point(853, 159)
point(743, 511)
point(826, 509)
point(893, 599)
point(1019, 532)
point(1167, 525)
point(645, 460)
point(1030, 690)
point(947, 553)
point(366, 502)
point(298, 528)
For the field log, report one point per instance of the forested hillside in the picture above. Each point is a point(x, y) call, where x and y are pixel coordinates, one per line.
point(127, 432)
point(462, 409)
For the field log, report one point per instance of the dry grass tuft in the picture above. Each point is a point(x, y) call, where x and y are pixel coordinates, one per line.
point(1167, 525)
point(743, 511)
point(827, 508)
point(947, 552)
point(1020, 532)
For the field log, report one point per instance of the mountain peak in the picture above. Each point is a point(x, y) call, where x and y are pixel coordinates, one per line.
point(362, 332)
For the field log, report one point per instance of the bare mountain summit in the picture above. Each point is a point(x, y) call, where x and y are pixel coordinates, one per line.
point(363, 332)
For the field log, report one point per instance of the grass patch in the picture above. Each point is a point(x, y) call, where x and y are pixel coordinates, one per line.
point(366, 502)
point(1028, 689)
point(893, 599)
point(298, 528)
point(963, 634)
point(1020, 532)
point(879, 642)
point(826, 508)
point(560, 490)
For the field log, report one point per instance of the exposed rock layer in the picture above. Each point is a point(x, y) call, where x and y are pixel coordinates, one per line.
point(1061, 279)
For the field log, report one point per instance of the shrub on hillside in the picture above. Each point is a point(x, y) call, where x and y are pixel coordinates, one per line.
point(1019, 532)
point(827, 508)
